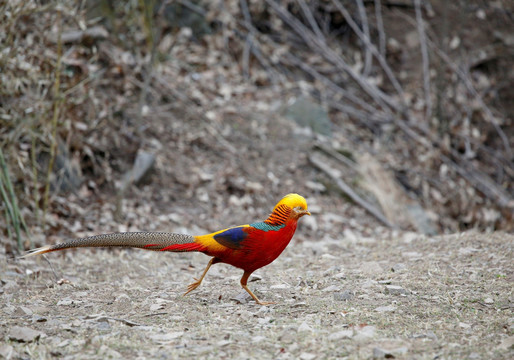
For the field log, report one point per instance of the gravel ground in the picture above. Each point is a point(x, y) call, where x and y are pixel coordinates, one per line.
point(401, 296)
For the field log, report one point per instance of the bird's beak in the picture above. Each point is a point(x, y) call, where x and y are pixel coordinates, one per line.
point(305, 212)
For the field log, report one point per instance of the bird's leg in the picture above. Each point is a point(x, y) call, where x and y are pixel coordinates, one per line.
point(197, 283)
point(244, 281)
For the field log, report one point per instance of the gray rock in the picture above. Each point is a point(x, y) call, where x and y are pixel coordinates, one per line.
point(341, 334)
point(6, 351)
point(24, 334)
point(309, 114)
point(304, 327)
point(379, 353)
point(385, 308)
point(396, 290)
point(399, 267)
point(345, 295)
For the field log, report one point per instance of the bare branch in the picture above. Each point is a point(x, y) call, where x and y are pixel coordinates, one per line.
point(425, 60)
point(365, 27)
point(310, 18)
point(350, 192)
point(383, 63)
point(380, 28)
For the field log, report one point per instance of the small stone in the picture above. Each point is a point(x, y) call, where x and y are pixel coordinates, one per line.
point(385, 282)
point(365, 332)
point(464, 325)
point(379, 353)
point(344, 296)
point(279, 286)
point(341, 335)
point(396, 290)
point(399, 267)
point(304, 327)
point(165, 338)
point(242, 298)
point(6, 351)
point(155, 307)
point(330, 288)
point(23, 311)
point(307, 356)
point(258, 339)
point(489, 301)
point(65, 302)
point(507, 343)
point(371, 268)
point(24, 334)
point(385, 308)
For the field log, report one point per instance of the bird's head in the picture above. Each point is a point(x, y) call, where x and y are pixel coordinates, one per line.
point(296, 203)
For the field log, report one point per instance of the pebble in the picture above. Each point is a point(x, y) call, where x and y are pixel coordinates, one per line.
point(365, 332)
point(489, 301)
point(307, 356)
point(6, 351)
point(341, 335)
point(399, 267)
point(385, 308)
point(331, 288)
point(507, 343)
point(304, 327)
point(345, 295)
point(22, 311)
point(164, 338)
point(379, 353)
point(371, 268)
point(24, 334)
point(396, 290)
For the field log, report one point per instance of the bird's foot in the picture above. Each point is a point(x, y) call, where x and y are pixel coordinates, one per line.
point(193, 286)
point(265, 302)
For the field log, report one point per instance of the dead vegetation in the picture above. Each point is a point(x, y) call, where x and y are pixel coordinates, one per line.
point(85, 88)
point(190, 116)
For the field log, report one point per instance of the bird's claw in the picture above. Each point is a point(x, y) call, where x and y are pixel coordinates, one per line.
point(192, 286)
point(265, 302)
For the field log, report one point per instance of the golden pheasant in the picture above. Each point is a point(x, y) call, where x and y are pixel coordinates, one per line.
point(248, 247)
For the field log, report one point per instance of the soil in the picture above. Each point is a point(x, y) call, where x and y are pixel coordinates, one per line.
point(401, 295)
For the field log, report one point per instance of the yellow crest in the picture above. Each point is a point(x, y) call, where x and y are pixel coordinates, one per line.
point(292, 201)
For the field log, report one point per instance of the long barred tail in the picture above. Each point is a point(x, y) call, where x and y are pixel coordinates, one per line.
point(157, 241)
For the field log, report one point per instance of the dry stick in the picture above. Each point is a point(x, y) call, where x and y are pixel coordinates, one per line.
point(469, 86)
point(478, 97)
point(55, 117)
point(481, 182)
point(247, 23)
point(425, 60)
point(365, 26)
point(378, 96)
point(381, 60)
point(380, 28)
point(372, 111)
point(245, 58)
point(336, 155)
point(349, 191)
point(310, 18)
point(249, 40)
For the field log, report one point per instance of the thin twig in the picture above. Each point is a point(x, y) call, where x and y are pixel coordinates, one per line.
point(380, 28)
point(56, 104)
point(310, 18)
point(349, 191)
point(376, 94)
point(367, 51)
point(425, 60)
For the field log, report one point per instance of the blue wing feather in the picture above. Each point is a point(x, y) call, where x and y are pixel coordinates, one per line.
point(232, 238)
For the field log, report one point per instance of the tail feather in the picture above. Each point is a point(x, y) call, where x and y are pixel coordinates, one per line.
point(157, 241)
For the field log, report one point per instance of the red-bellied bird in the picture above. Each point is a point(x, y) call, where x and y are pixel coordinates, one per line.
point(248, 247)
